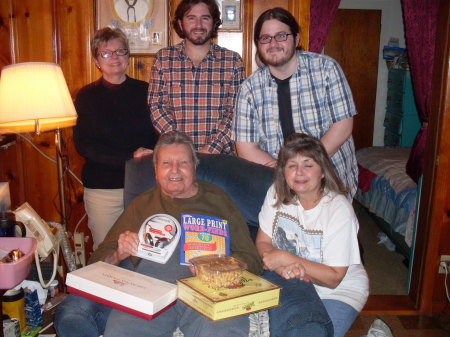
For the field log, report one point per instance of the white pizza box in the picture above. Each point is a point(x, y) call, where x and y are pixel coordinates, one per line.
point(122, 289)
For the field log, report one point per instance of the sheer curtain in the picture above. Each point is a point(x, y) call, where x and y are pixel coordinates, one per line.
point(321, 15)
point(420, 19)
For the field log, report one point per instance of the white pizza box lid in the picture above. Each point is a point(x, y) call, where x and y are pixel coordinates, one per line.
point(122, 289)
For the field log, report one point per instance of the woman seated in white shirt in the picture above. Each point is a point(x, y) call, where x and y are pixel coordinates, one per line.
point(308, 232)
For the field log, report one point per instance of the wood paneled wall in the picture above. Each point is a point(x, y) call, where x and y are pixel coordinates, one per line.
point(60, 31)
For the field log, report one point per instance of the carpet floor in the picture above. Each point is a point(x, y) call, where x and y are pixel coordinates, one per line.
point(388, 275)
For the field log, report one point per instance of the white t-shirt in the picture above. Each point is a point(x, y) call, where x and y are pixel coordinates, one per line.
point(325, 234)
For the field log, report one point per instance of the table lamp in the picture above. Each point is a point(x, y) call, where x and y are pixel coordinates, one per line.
point(34, 97)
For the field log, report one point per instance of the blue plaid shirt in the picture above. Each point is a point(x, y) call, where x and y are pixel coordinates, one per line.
point(320, 96)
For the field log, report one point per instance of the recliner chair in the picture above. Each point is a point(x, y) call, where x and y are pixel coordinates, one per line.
point(245, 182)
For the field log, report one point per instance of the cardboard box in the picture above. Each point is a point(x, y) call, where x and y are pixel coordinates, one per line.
point(254, 294)
point(122, 289)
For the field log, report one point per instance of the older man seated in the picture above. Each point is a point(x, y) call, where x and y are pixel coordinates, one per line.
point(177, 191)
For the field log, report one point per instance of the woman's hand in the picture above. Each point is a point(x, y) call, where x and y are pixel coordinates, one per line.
point(127, 245)
point(294, 270)
point(141, 153)
point(271, 257)
point(276, 258)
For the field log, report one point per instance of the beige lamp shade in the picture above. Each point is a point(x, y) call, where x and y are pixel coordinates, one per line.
point(34, 97)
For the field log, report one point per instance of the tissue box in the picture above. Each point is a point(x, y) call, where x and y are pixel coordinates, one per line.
point(252, 294)
point(33, 315)
point(122, 289)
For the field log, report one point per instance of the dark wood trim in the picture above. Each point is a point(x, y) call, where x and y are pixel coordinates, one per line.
point(247, 36)
point(390, 304)
point(435, 177)
point(300, 10)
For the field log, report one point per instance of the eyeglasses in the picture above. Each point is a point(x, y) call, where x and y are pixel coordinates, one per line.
point(280, 37)
point(106, 54)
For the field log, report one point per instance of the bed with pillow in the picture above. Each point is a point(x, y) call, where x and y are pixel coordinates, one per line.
point(388, 193)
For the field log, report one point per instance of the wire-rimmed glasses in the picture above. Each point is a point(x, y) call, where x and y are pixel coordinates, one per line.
point(106, 54)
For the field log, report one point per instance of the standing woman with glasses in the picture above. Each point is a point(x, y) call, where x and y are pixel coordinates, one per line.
point(112, 124)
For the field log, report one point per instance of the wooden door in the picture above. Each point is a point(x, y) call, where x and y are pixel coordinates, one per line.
point(353, 41)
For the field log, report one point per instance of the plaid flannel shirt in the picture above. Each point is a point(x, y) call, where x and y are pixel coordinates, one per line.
point(196, 100)
point(320, 96)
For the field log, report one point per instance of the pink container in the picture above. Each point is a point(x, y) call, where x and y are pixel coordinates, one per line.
point(15, 272)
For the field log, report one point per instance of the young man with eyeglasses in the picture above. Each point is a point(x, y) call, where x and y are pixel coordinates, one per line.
point(296, 91)
point(193, 84)
point(112, 123)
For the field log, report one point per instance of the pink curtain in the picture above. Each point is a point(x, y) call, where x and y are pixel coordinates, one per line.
point(420, 20)
point(321, 15)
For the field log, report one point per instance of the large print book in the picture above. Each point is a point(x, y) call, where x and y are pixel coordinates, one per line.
point(203, 235)
point(253, 294)
point(122, 289)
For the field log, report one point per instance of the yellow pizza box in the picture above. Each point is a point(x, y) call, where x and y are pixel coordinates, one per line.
point(251, 295)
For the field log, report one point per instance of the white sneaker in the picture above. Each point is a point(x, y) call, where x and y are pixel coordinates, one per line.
point(379, 329)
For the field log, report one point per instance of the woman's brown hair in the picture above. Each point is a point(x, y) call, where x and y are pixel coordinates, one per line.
point(310, 147)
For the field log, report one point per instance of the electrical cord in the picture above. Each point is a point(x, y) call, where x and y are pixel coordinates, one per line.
point(445, 266)
point(79, 222)
point(36, 148)
point(53, 160)
point(55, 251)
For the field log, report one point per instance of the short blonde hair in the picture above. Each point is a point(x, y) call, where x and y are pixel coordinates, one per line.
point(105, 35)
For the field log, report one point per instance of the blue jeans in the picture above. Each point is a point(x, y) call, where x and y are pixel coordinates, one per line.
point(342, 315)
point(245, 182)
point(190, 322)
point(301, 312)
point(79, 317)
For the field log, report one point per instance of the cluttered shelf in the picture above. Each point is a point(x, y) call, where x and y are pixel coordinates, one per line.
point(27, 305)
point(46, 328)
point(29, 310)
point(30, 283)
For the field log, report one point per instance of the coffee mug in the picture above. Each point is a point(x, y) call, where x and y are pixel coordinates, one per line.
point(8, 225)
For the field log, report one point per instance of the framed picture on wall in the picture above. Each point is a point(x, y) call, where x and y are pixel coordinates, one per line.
point(145, 22)
point(231, 14)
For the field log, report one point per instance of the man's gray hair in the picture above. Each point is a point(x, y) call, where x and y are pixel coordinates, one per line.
point(178, 138)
